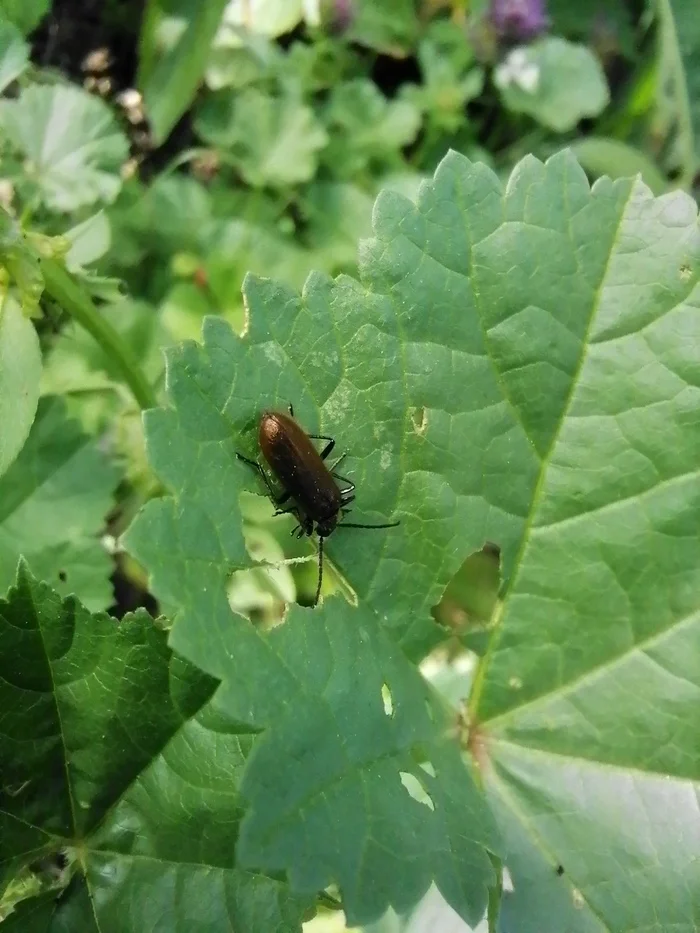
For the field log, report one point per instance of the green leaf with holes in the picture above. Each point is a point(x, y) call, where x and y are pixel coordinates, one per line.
point(54, 502)
point(516, 366)
point(119, 784)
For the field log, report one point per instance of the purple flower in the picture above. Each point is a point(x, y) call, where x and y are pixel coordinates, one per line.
point(518, 20)
point(339, 14)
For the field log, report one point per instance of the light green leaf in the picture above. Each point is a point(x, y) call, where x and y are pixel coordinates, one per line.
point(265, 17)
point(71, 169)
point(55, 499)
point(272, 140)
point(89, 241)
point(169, 77)
point(24, 14)
point(112, 753)
point(554, 81)
point(20, 372)
point(607, 156)
point(14, 54)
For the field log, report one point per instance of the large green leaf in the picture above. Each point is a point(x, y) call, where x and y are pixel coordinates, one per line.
point(518, 366)
point(54, 502)
point(20, 372)
point(111, 752)
point(70, 169)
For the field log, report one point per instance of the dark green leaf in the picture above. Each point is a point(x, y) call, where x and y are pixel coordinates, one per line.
point(110, 751)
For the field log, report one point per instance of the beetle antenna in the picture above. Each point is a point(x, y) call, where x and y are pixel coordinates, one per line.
point(354, 525)
point(320, 570)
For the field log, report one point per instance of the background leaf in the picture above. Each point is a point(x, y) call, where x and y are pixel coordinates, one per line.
point(55, 499)
point(20, 372)
point(149, 796)
point(70, 169)
point(679, 82)
point(554, 81)
point(605, 156)
point(272, 140)
point(14, 54)
point(169, 77)
point(24, 14)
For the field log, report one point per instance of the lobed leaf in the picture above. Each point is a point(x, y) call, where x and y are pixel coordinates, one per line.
point(517, 367)
point(70, 169)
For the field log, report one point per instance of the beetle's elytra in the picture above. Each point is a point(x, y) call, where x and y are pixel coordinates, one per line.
point(317, 500)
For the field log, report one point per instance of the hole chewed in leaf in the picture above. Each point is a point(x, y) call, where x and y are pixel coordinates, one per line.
point(419, 420)
point(387, 700)
point(416, 789)
point(469, 605)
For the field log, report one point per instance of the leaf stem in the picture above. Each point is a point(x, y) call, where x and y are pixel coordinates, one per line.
point(74, 299)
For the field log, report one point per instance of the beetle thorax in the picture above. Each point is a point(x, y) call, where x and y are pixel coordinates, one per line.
point(326, 526)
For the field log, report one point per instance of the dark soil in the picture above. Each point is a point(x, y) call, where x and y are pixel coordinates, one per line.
point(74, 28)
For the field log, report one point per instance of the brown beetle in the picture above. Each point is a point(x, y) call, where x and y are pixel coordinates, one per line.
point(317, 500)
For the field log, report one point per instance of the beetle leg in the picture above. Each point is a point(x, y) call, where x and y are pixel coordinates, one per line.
point(329, 446)
point(292, 508)
point(351, 485)
point(291, 409)
point(256, 466)
point(338, 462)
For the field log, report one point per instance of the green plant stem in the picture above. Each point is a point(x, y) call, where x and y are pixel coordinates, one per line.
point(74, 300)
point(328, 901)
